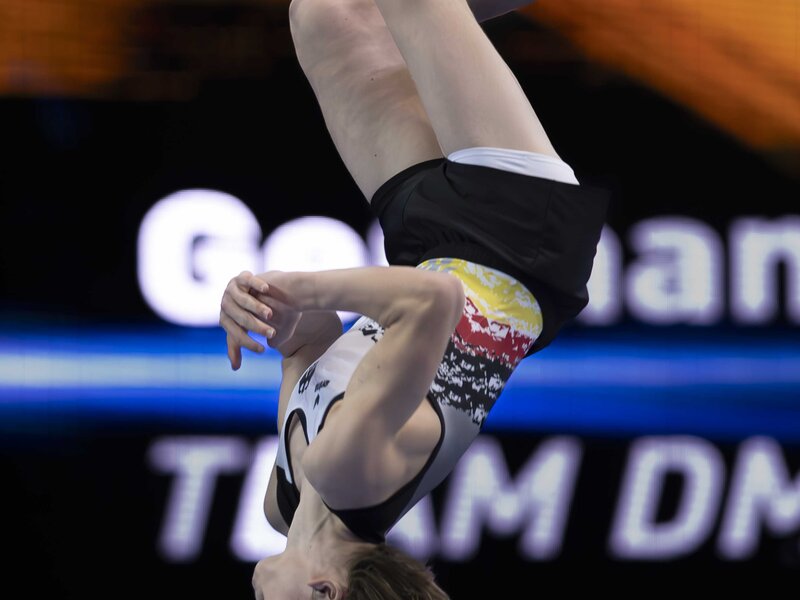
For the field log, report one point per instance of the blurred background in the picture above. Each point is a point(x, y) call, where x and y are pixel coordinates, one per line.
point(152, 149)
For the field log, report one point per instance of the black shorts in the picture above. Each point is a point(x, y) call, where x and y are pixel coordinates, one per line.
point(544, 233)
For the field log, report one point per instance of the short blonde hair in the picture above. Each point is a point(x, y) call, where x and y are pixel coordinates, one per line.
point(383, 572)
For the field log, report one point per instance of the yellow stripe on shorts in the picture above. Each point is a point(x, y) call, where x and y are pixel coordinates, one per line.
point(497, 296)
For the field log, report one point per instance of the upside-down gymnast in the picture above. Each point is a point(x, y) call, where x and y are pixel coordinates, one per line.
point(491, 241)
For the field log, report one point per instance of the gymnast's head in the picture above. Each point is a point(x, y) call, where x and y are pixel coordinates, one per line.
point(356, 572)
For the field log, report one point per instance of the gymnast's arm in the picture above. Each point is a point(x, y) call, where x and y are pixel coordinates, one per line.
point(301, 337)
point(314, 334)
point(418, 310)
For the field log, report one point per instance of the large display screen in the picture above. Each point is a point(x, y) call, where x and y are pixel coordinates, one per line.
point(657, 439)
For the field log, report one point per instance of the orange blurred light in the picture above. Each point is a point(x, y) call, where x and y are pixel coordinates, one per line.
point(734, 62)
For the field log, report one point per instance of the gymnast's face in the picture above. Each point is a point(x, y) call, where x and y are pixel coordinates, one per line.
point(288, 576)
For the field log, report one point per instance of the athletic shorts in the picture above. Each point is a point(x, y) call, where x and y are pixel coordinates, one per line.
point(542, 232)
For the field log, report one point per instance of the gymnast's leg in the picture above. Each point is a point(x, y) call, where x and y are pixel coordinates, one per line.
point(367, 97)
point(470, 95)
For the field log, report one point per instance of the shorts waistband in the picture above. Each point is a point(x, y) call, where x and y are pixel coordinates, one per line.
point(383, 193)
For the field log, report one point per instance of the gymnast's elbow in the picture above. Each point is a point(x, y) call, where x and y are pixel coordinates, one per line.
point(447, 300)
point(436, 303)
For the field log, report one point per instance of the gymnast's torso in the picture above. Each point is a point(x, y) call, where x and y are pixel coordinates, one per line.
point(500, 323)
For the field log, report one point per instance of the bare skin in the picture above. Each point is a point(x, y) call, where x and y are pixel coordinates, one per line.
point(404, 81)
point(382, 408)
point(398, 82)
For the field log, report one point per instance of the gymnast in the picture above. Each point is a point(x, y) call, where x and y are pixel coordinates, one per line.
point(490, 240)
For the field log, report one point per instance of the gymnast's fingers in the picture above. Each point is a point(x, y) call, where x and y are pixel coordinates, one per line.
point(239, 334)
point(234, 353)
point(243, 317)
point(251, 303)
point(246, 280)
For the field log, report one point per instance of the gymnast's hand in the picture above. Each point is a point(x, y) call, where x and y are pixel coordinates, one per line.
point(257, 304)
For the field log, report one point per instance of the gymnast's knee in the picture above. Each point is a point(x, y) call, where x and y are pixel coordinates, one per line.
point(310, 19)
